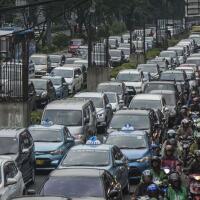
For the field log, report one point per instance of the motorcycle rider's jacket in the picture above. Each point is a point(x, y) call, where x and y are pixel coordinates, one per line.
point(180, 194)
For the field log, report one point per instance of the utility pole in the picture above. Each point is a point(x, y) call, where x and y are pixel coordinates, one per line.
point(144, 45)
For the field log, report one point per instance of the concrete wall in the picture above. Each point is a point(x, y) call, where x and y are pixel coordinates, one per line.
point(14, 115)
point(97, 75)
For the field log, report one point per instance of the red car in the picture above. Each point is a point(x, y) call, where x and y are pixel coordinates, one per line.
point(74, 45)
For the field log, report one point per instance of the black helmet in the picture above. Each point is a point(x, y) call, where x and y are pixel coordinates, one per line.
point(157, 159)
point(171, 133)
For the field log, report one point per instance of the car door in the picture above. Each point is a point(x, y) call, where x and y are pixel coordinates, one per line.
point(108, 109)
point(69, 140)
point(65, 88)
point(76, 80)
point(80, 78)
point(11, 190)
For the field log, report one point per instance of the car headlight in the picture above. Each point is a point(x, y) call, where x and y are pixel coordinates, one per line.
point(44, 94)
point(57, 152)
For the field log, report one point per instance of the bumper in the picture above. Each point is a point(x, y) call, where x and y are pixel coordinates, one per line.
point(136, 169)
point(47, 162)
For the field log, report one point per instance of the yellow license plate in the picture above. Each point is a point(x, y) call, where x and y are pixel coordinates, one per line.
point(39, 162)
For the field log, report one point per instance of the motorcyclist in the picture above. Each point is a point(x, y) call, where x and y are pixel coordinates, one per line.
point(184, 114)
point(156, 150)
point(185, 129)
point(176, 190)
point(146, 180)
point(157, 173)
point(194, 167)
point(196, 145)
point(169, 159)
point(153, 192)
point(195, 106)
point(192, 95)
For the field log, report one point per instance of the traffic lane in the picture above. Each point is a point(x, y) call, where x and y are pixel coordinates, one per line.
point(42, 176)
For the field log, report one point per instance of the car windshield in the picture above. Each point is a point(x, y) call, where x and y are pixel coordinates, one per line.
point(115, 53)
point(139, 122)
point(168, 54)
point(56, 81)
point(55, 59)
point(146, 104)
point(148, 68)
point(39, 84)
point(157, 86)
point(70, 61)
point(47, 135)
point(172, 77)
point(65, 73)
point(127, 142)
point(170, 99)
point(98, 102)
point(73, 187)
point(8, 145)
point(126, 51)
point(64, 117)
point(111, 97)
point(193, 61)
point(112, 42)
point(130, 77)
point(87, 158)
point(39, 60)
point(110, 88)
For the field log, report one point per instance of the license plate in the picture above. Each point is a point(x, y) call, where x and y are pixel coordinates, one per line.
point(39, 162)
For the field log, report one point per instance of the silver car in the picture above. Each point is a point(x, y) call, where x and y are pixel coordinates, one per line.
point(11, 181)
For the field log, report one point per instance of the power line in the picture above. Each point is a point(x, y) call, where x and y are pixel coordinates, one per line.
point(60, 14)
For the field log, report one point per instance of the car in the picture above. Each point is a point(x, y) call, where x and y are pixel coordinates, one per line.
point(57, 60)
point(194, 55)
point(11, 181)
point(180, 52)
point(72, 75)
point(114, 100)
point(42, 64)
point(132, 78)
point(36, 197)
point(193, 60)
point(78, 115)
point(176, 75)
point(99, 156)
point(72, 60)
point(196, 38)
point(136, 146)
point(51, 143)
point(72, 182)
point(161, 62)
point(116, 57)
point(60, 86)
point(191, 76)
point(189, 43)
point(102, 105)
point(139, 119)
point(126, 38)
point(169, 54)
point(125, 93)
point(45, 91)
point(74, 45)
point(113, 43)
point(18, 145)
point(126, 52)
point(172, 102)
point(150, 71)
point(81, 62)
point(150, 101)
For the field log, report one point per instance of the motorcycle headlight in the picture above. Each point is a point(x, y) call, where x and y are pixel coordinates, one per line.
point(44, 94)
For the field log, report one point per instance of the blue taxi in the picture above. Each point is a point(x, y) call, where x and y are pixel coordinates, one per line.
point(93, 154)
point(135, 145)
point(51, 144)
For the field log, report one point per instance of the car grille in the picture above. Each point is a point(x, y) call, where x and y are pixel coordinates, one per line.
point(134, 171)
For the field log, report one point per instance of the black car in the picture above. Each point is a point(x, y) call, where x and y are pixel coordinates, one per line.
point(18, 144)
point(45, 91)
point(83, 183)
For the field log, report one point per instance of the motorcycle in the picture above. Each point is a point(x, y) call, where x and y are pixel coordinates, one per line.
point(194, 185)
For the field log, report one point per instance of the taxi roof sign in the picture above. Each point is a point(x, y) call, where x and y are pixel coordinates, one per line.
point(93, 141)
point(47, 123)
point(127, 127)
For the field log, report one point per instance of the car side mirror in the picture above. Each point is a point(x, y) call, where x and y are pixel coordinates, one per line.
point(76, 76)
point(108, 106)
point(166, 109)
point(31, 192)
point(113, 194)
point(25, 151)
point(70, 139)
point(118, 163)
point(11, 181)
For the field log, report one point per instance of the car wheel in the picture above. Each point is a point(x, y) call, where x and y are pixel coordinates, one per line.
point(32, 176)
point(127, 188)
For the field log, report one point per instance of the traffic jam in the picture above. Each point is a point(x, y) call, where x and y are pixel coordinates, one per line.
point(136, 137)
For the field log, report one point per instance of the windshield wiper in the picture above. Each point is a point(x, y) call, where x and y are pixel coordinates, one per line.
point(139, 148)
point(6, 153)
point(124, 147)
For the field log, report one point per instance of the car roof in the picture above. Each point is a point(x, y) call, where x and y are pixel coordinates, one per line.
point(111, 83)
point(162, 92)
point(77, 172)
point(11, 132)
point(40, 198)
point(132, 112)
point(51, 77)
point(92, 147)
point(172, 72)
point(175, 47)
point(193, 58)
point(147, 97)
point(89, 94)
point(68, 67)
point(167, 51)
point(47, 127)
point(160, 82)
point(39, 79)
point(130, 71)
point(133, 133)
point(148, 64)
point(185, 68)
point(39, 55)
point(68, 104)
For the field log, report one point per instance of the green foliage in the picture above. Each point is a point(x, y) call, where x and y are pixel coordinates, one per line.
point(61, 40)
point(36, 117)
point(117, 28)
point(153, 53)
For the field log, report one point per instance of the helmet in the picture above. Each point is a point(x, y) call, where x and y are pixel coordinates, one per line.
point(171, 133)
point(173, 142)
point(147, 173)
point(196, 99)
point(193, 92)
point(152, 188)
point(174, 177)
point(185, 122)
point(184, 107)
point(155, 158)
point(197, 153)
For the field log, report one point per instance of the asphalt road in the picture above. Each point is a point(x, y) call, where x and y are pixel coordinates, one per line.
point(41, 177)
